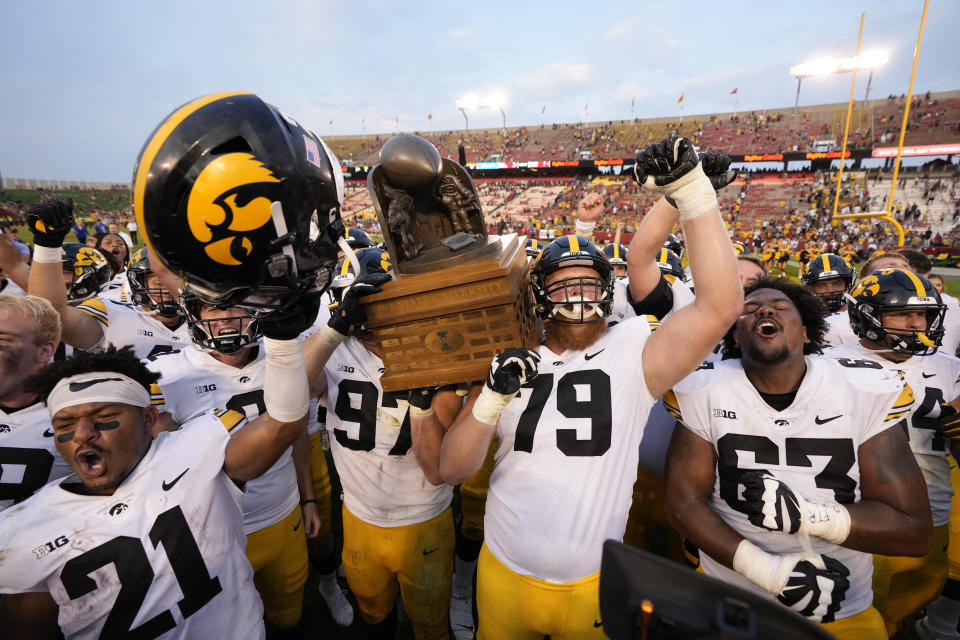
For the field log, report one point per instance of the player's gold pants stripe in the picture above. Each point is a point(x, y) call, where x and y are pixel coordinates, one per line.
point(278, 555)
point(416, 560)
point(515, 607)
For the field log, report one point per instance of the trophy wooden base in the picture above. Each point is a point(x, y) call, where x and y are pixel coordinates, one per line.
point(444, 327)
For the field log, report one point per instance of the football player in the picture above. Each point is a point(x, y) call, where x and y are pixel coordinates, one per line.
point(8, 287)
point(898, 318)
point(751, 269)
point(164, 511)
point(224, 366)
point(533, 247)
point(568, 444)
point(397, 521)
point(617, 255)
point(830, 277)
point(921, 265)
point(29, 334)
point(151, 327)
point(741, 483)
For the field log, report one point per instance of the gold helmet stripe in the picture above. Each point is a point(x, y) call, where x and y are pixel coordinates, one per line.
point(826, 262)
point(921, 290)
point(345, 269)
point(663, 256)
point(574, 243)
point(153, 147)
point(616, 251)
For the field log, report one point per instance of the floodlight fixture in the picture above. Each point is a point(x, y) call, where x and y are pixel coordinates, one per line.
point(826, 66)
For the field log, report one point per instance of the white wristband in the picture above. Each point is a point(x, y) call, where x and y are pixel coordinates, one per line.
point(417, 412)
point(331, 335)
point(286, 393)
point(489, 404)
point(693, 194)
point(757, 566)
point(47, 255)
point(585, 228)
point(827, 520)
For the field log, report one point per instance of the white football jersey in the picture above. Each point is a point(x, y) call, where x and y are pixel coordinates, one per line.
point(622, 309)
point(163, 557)
point(951, 325)
point(369, 429)
point(192, 382)
point(811, 446)
point(933, 379)
point(10, 288)
point(567, 460)
point(839, 330)
point(28, 454)
point(125, 324)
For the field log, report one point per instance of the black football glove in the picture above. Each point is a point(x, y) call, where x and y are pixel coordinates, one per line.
point(770, 504)
point(511, 369)
point(663, 163)
point(816, 593)
point(289, 322)
point(348, 316)
point(421, 398)
point(717, 168)
point(50, 222)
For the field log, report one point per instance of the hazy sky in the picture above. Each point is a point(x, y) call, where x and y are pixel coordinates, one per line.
point(84, 83)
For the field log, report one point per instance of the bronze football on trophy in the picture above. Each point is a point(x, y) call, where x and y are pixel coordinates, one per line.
point(410, 161)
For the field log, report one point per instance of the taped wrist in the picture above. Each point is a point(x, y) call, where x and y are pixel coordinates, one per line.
point(489, 404)
point(417, 412)
point(286, 394)
point(585, 228)
point(47, 255)
point(759, 567)
point(826, 519)
point(331, 335)
point(693, 194)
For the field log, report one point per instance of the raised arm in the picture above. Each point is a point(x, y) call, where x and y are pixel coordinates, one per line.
point(642, 270)
point(673, 169)
point(50, 223)
point(12, 264)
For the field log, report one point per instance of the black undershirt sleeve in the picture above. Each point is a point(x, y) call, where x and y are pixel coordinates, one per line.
point(658, 302)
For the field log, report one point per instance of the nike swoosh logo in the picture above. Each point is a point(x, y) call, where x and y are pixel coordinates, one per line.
point(166, 486)
point(927, 375)
point(594, 355)
point(80, 386)
point(297, 526)
point(48, 433)
point(826, 420)
point(426, 553)
point(597, 624)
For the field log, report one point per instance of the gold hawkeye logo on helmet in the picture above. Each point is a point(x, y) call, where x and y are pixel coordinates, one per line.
point(869, 286)
point(230, 197)
point(86, 257)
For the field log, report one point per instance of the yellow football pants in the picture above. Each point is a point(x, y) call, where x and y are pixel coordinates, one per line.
point(278, 555)
point(866, 625)
point(515, 607)
point(321, 482)
point(415, 559)
point(953, 552)
point(647, 526)
point(473, 497)
point(902, 585)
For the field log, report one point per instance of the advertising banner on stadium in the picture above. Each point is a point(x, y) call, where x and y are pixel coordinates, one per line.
point(919, 150)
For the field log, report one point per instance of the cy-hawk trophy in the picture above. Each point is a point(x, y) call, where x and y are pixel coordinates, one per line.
point(460, 295)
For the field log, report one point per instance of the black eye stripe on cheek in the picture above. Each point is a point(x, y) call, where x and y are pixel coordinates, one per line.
point(106, 426)
point(65, 437)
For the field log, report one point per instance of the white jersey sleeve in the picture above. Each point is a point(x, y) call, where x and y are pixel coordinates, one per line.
point(10, 288)
point(839, 330)
point(812, 446)
point(369, 428)
point(951, 323)
point(28, 456)
point(933, 380)
point(124, 324)
point(567, 457)
point(162, 557)
point(193, 381)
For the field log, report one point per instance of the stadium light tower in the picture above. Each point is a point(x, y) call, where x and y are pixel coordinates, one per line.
point(827, 66)
point(492, 101)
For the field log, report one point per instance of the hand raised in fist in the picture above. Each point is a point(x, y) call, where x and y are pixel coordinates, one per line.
point(51, 221)
point(511, 369)
point(717, 168)
point(590, 208)
point(673, 169)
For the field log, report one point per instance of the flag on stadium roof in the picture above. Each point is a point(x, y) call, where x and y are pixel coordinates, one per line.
point(734, 90)
point(680, 99)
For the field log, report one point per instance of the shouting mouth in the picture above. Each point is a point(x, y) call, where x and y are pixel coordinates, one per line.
point(767, 327)
point(91, 463)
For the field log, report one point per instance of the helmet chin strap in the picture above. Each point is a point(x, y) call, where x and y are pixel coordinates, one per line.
point(349, 253)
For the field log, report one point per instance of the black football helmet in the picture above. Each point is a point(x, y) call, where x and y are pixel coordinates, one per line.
point(90, 268)
point(896, 290)
point(567, 299)
point(157, 299)
point(206, 333)
point(669, 263)
point(829, 266)
point(673, 243)
point(534, 247)
point(224, 191)
point(616, 253)
point(370, 260)
point(357, 238)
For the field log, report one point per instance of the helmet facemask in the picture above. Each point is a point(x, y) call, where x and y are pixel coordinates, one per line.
point(210, 334)
point(577, 300)
point(867, 323)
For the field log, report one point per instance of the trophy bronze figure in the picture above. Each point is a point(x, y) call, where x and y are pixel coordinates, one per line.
point(460, 295)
